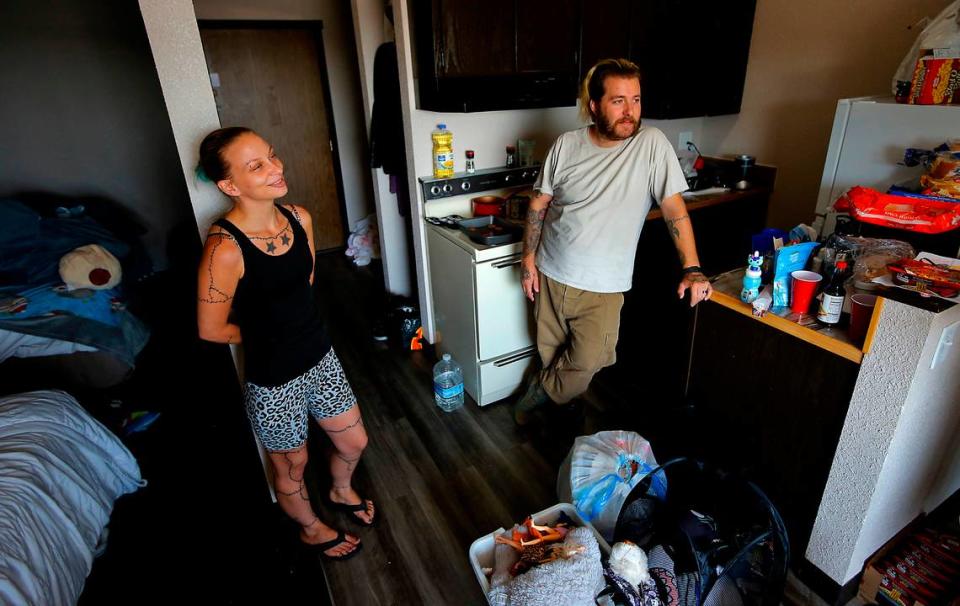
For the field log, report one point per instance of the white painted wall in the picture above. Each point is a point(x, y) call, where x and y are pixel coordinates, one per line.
point(342, 73)
point(371, 29)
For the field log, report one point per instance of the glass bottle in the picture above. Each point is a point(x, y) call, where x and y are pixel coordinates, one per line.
point(831, 304)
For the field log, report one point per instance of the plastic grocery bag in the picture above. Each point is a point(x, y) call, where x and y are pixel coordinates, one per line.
point(600, 472)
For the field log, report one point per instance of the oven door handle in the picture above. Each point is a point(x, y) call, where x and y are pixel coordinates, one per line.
point(510, 262)
point(529, 353)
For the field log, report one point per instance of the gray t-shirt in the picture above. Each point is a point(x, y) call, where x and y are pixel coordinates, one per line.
point(601, 197)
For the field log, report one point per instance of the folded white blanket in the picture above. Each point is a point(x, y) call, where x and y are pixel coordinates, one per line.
point(60, 473)
point(573, 582)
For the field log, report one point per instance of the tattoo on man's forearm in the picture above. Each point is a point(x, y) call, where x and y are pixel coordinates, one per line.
point(672, 225)
point(531, 235)
point(214, 294)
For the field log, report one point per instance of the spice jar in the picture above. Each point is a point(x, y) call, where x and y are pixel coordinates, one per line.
point(471, 167)
point(511, 156)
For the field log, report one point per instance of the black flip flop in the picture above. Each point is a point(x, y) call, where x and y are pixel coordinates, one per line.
point(338, 540)
point(352, 509)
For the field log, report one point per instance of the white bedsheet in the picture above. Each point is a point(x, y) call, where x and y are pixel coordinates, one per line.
point(60, 473)
point(19, 345)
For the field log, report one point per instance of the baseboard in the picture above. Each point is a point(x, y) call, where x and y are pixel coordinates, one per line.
point(829, 590)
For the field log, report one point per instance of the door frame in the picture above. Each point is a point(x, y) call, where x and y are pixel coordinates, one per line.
point(315, 27)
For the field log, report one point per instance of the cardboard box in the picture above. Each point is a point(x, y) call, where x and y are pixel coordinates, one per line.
point(918, 577)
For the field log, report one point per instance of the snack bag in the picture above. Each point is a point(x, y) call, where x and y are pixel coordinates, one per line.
point(789, 259)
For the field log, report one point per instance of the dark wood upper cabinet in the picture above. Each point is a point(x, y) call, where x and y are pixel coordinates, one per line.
point(605, 32)
point(548, 35)
point(470, 40)
point(692, 54)
point(478, 55)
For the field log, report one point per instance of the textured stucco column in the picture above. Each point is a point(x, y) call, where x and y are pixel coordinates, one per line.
point(177, 51)
point(878, 402)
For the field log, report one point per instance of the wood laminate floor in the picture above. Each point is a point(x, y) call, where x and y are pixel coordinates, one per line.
point(440, 480)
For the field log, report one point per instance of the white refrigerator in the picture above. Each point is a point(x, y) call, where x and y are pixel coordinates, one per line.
point(867, 143)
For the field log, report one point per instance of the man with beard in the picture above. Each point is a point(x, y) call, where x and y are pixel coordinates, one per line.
point(595, 188)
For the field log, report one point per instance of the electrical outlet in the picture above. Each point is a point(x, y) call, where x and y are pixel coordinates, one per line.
point(682, 140)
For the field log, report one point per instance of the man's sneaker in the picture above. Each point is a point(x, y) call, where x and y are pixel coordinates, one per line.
point(534, 398)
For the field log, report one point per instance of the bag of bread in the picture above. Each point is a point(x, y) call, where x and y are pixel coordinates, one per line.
point(873, 257)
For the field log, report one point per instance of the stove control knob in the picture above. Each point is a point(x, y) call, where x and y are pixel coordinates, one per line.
point(507, 178)
point(435, 190)
point(447, 188)
point(465, 186)
point(525, 175)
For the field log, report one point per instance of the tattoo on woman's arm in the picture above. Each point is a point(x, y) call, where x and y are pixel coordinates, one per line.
point(214, 294)
point(531, 235)
point(672, 225)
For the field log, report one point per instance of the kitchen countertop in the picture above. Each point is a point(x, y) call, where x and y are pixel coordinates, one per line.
point(727, 293)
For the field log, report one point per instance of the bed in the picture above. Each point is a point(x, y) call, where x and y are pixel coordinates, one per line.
point(60, 473)
point(39, 316)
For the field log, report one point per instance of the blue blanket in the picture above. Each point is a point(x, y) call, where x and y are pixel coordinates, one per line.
point(30, 250)
point(91, 317)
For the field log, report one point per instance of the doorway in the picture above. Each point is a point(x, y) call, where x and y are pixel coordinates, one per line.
point(271, 77)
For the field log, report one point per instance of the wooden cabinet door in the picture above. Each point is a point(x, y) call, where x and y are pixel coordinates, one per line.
point(605, 32)
point(474, 37)
point(548, 35)
point(693, 55)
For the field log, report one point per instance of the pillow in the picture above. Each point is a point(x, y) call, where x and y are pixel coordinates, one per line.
point(91, 266)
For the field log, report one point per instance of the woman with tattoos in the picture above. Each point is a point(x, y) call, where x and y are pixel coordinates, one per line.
point(255, 287)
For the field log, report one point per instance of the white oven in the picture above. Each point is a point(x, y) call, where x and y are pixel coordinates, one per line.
point(481, 317)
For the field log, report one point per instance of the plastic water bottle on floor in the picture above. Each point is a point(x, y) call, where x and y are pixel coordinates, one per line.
point(448, 384)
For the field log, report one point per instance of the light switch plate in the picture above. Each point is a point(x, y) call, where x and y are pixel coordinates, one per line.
point(682, 140)
point(947, 338)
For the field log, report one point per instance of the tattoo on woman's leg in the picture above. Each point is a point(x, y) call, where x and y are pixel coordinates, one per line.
point(359, 421)
point(351, 463)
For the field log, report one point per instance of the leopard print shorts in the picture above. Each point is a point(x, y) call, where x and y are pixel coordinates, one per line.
point(279, 414)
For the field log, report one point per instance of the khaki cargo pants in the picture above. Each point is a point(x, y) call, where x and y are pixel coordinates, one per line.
point(577, 332)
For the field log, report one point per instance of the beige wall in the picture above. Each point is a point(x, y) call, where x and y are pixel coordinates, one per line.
point(342, 72)
point(804, 56)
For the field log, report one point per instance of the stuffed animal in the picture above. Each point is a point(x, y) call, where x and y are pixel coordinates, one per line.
point(90, 266)
point(630, 562)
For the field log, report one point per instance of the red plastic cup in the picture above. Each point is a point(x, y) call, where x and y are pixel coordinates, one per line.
point(802, 290)
point(861, 311)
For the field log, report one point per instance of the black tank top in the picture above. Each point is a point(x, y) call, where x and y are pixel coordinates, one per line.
point(279, 321)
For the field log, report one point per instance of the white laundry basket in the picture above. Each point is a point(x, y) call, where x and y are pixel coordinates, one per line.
point(482, 550)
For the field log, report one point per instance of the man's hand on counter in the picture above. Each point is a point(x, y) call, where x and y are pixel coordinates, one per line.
point(531, 277)
point(699, 286)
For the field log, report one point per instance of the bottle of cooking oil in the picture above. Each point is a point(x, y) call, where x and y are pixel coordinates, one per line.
point(442, 152)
